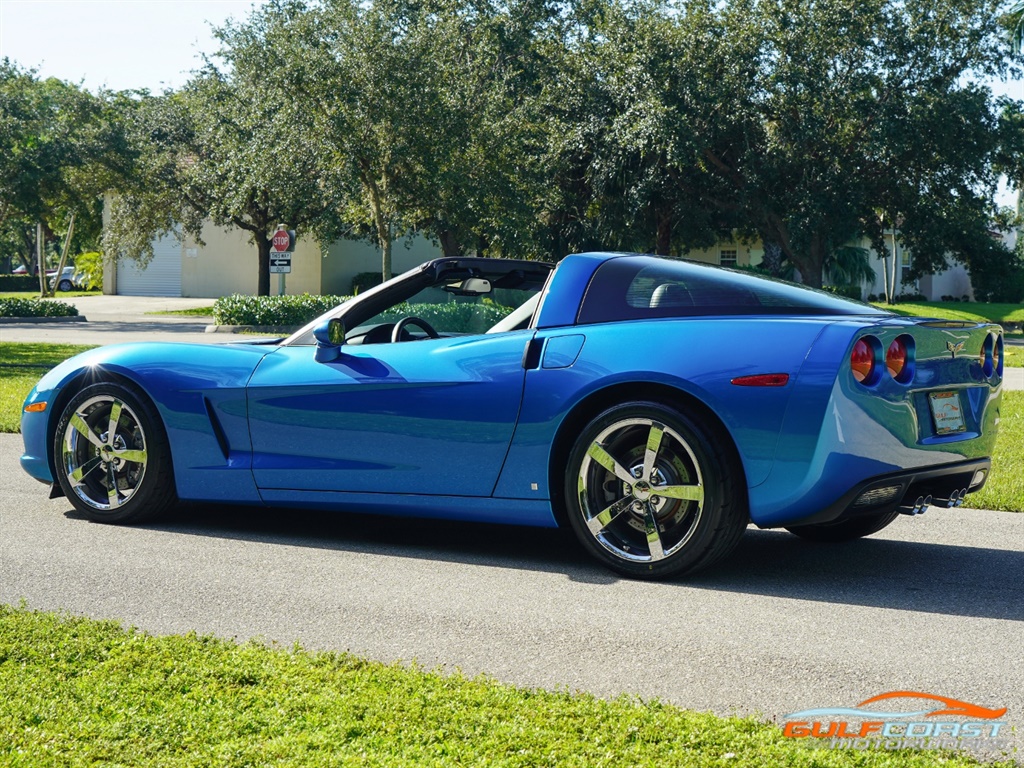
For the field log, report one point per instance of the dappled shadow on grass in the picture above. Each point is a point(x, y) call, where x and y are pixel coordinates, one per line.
point(875, 572)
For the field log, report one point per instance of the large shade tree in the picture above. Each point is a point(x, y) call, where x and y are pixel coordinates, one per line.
point(60, 149)
point(218, 150)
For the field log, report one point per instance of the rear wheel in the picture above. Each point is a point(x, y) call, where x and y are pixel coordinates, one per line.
point(652, 492)
point(845, 530)
point(111, 454)
point(65, 285)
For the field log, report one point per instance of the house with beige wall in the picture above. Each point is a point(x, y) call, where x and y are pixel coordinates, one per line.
point(226, 263)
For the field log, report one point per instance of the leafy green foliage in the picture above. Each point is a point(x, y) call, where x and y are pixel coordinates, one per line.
point(91, 265)
point(18, 283)
point(365, 280)
point(452, 317)
point(36, 308)
point(80, 692)
point(276, 311)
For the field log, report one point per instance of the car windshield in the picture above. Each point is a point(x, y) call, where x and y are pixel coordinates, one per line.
point(463, 297)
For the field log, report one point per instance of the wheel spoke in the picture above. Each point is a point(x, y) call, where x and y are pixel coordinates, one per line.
point(653, 537)
point(602, 457)
point(78, 474)
point(139, 457)
point(112, 495)
point(115, 416)
point(83, 429)
point(684, 492)
point(607, 516)
point(653, 446)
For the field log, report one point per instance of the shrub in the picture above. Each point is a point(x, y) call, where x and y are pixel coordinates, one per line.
point(19, 283)
point(453, 317)
point(272, 310)
point(36, 308)
point(91, 266)
point(365, 280)
point(849, 291)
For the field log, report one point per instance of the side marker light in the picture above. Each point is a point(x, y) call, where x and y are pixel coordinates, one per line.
point(36, 407)
point(762, 380)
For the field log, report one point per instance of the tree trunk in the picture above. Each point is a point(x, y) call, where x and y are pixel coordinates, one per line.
point(40, 261)
point(812, 267)
point(263, 248)
point(450, 247)
point(664, 236)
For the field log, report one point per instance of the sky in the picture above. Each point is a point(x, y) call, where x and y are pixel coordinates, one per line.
point(117, 44)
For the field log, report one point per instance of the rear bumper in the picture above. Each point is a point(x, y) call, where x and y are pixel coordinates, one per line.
point(885, 493)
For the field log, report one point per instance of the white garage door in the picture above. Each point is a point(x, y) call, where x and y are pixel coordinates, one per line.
point(161, 277)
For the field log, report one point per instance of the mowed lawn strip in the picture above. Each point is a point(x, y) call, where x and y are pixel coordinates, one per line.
point(21, 366)
point(81, 692)
point(959, 310)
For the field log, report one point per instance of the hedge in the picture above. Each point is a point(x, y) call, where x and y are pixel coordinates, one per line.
point(453, 317)
point(272, 310)
point(36, 308)
point(18, 283)
point(286, 311)
point(365, 280)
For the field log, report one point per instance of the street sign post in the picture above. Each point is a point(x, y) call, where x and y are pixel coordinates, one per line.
point(282, 244)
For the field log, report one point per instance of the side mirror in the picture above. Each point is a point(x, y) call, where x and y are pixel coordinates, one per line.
point(329, 336)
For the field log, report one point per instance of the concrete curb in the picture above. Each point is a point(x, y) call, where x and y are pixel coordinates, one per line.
point(37, 320)
point(286, 329)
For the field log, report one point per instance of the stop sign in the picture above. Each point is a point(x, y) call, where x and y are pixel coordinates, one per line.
point(281, 240)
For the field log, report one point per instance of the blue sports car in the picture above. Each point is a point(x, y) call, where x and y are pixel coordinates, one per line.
point(656, 407)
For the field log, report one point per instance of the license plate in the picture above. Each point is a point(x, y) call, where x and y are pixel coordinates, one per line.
point(947, 412)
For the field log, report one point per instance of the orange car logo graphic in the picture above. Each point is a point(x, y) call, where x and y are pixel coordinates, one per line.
point(860, 726)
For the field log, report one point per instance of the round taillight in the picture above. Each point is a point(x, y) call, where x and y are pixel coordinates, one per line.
point(862, 360)
point(899, 358)
point(997, 356)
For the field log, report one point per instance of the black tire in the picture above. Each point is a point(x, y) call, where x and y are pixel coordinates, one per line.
point(65, 285)
point(126, 477)
point(633, 527)
point(845, 530)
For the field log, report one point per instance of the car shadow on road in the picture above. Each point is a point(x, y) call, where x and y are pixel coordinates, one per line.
point(876, 572)
point(873, 572)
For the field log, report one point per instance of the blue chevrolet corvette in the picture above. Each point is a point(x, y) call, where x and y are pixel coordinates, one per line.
point(656, 407)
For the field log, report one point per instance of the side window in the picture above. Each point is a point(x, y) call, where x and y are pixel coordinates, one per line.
point(639, 287)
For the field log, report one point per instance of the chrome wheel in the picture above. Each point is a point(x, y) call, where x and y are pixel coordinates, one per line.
point(653, 492)
point(104, 453)
point(640, 490)
point(111, 456)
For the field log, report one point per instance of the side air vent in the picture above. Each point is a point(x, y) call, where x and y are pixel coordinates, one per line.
point(218, 430)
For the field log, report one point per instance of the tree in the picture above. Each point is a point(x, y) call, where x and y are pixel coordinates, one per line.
point(60, 148)
point(218, 150)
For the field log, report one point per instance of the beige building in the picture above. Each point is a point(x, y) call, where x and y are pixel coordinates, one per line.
point(227, 263)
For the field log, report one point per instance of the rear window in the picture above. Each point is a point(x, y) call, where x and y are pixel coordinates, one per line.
point(637, 287)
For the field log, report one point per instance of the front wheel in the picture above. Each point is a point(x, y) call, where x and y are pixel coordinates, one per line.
point(111, 455)
point(652, 492)
point(65, 285)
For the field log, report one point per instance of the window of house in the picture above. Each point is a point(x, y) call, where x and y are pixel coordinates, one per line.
point(727, 257)
point(905, 267)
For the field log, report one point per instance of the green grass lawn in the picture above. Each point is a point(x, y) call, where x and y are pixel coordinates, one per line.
point(82, 692)
point(21, 366)
point(35, 294)
point(959, 310)
point(190, 312)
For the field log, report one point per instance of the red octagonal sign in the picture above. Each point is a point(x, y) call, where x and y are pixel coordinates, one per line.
point(281, 240)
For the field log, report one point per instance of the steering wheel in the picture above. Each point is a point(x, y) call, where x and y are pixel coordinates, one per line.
point(396, 332)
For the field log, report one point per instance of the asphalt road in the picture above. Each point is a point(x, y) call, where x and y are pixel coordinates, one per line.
point(931, 604)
